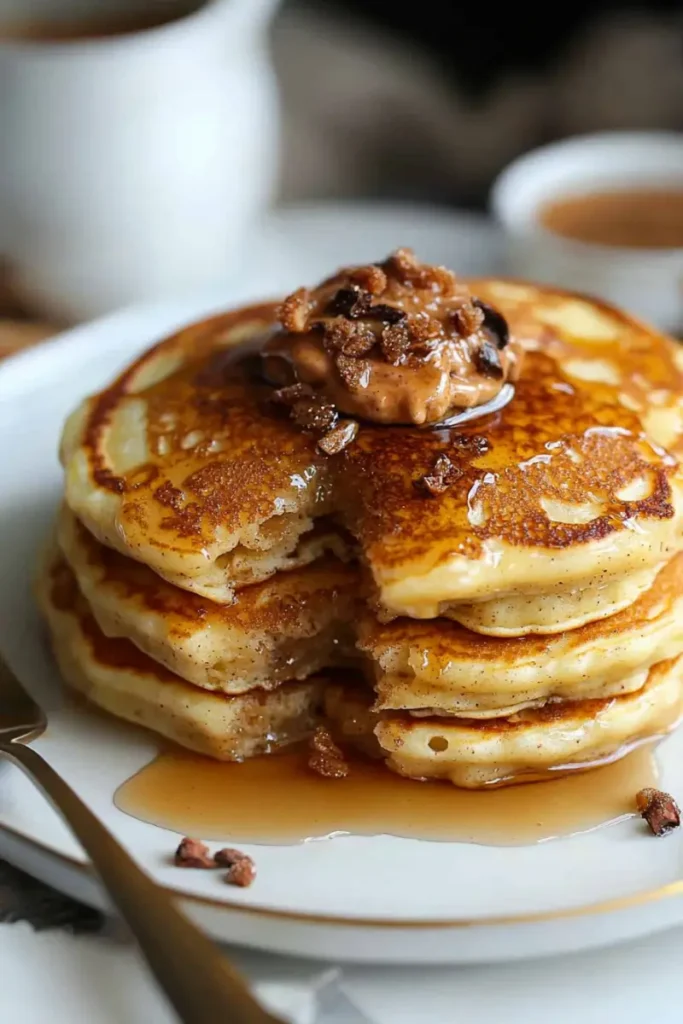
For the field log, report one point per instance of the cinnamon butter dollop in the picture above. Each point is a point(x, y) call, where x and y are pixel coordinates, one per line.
point(393, 342)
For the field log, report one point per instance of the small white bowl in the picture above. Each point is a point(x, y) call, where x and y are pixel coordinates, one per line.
point(646, 282)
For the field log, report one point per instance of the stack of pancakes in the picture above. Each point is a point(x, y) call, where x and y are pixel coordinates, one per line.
point(211, 561)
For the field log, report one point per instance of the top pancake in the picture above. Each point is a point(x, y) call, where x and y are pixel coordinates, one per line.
point(182, 464)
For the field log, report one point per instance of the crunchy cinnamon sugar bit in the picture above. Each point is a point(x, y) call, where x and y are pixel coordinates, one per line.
point(348, 337)
point(226, 857)
point(442, 475)
point(292, 393)
point(424, 328)
point(339, 438)
point(242, 873)
point(192, 853)
point(326, 757)
point(293, 312)
point(308, 409)
point(395, 343)
point(241, 867)
point(370, 278)
point(354, 372)
point(659, 809)
point(314, 413)
point(468, 318)
point(406, 268)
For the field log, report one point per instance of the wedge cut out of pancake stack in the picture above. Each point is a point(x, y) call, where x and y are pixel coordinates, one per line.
point(444, 519)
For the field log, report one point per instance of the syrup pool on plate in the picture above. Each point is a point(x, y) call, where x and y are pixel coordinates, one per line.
point(279, 800)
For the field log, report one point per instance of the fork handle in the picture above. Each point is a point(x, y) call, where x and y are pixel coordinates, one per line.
point(199, 982)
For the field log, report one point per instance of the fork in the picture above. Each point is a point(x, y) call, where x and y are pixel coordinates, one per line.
point(198, 980)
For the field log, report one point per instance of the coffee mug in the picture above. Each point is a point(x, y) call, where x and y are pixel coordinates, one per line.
point(136, 150)
point(646, 281)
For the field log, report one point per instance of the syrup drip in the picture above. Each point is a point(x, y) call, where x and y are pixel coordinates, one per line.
point(279, 800)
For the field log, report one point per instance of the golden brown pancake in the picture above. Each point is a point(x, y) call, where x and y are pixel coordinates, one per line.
point(439, 664)
point(120, 679)
point(560, 736)
point(554, 611)
point(183, 464)
point(283, 629)
point(303, 621)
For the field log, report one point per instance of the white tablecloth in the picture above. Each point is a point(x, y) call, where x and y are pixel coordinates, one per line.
point(99, 980)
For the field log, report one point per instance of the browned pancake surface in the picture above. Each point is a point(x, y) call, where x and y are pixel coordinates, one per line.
point(222, 458)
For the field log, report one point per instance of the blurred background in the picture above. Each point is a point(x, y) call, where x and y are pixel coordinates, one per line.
point(146, 141)
point(431, 101)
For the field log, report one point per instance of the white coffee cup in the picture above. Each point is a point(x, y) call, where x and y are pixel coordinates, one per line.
point(132, 165)
point(647, 282)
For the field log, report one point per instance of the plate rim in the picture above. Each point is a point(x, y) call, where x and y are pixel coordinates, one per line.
point(645, 896)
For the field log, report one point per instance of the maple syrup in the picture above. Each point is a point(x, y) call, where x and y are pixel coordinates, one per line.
point(279, 800)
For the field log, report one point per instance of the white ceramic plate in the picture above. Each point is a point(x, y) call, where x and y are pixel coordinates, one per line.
point(353, 898)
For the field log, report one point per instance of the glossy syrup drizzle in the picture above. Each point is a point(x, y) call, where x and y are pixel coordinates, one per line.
point(279, 800)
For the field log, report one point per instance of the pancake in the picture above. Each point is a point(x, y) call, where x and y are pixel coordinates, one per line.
point(553, 611)
point(117, 677)
point(283, 629)
point(175, 466)
point(439, 664)
point(182, 464)
point(560, 737)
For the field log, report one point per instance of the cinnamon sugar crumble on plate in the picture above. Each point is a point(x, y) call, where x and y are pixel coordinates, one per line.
point(192, 853)
point(241, 867)
point(227, 856)
point(659, 809)
point(242, 873)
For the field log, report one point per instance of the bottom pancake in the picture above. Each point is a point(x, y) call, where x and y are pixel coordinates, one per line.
point(559, 737)
point(120, 679)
